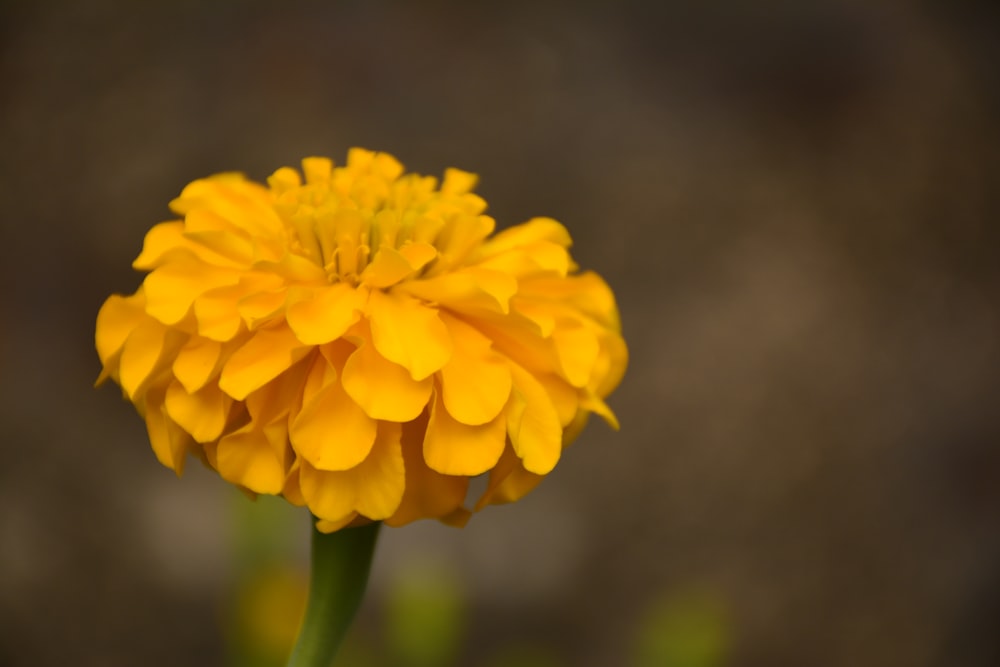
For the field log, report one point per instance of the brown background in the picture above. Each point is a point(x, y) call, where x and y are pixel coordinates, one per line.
point(796, 204)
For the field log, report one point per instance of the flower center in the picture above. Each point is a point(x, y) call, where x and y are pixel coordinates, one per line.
point(342, 219)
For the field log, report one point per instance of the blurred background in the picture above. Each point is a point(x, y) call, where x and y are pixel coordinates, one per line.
point(796, 203)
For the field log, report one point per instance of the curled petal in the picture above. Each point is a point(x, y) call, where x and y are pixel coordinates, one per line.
point(611, 364)
point(475, 383)
point(533, 424)
point(117, 318)
point(389, 265)
point(202, 414)
point(197, 362)
point(172, 288)
point(326, 315)
point(162, 242)
point(374, 488)
point(384, 390)
point(170, 442)
point(332, 432)
point(148, 350)
point(458, 182)
point(454, 448)
point(217, 315)
point(244, 204)
point(428, 493)
point(254, 457)
point(409, 333)
point(533, 231)
point(468, 290)
point(577, 349)
point(519, 483)
point(263, 357)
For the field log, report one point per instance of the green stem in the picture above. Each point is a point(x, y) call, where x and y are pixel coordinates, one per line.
point(339, 572)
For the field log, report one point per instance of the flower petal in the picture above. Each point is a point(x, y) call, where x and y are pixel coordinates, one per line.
point(169, 441)
point(279, 397)
point(458, 182)
point(471, 289)
point(160, 244)
point(389, 265)
point(533, 424)
point(611, 364)
point(325, 526)
point(268, 353)
point(475, 383)
point(577, 349)
point(196, 362)
point(599, 407)
point(326, 315)
point(527, 233)
point(460, 236)
point(245, 204)
point(409, 333)
point(384, 390)
point(332, 432)
point(374, 488)
point(586, 293)
point(147, 351)
point(514, 486)
point(172, 288)
point(253, 457)
point(216, 313)
point(454, 448)
point(428, 493)
point(117, 318)
point(202, 414)
point(538, 259)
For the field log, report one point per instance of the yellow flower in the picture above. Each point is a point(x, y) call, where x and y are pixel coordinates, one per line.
point(361, 342)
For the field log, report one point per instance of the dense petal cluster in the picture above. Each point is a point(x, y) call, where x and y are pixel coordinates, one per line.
point(360, 342)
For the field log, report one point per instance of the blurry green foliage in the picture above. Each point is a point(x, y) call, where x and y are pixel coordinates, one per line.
point(689, 629)
point(424, 617)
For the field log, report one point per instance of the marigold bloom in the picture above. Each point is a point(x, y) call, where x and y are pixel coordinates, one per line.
point(359, 342)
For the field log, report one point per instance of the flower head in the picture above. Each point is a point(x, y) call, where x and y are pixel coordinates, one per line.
point(360, 342)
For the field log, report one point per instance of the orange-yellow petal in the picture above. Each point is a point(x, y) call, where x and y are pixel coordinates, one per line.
point(147, 351)
point(384, 390)
point(326, 526)
point(599, 407)
point(162, 242)
point(278, 398)
point(202, 414)
point(389, 265)
point(454, 448)
point(172, 288)
point(533, 424)
point(471, 289)
point(117, 318)
point(196, 362)
point(326, 314)
point(577, 349)
point(535, 230)
point(332, 432)
point(374, 488)
point(253, 457)
point(428, 493)
point(263, 357)
point(458, 182)
point(409, 333)
point(475, 383)
point(169, 440)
